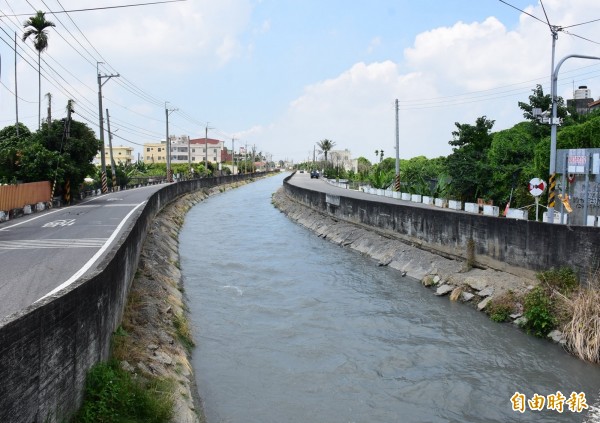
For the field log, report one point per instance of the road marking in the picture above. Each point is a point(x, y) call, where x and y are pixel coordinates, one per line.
point(30, 244)
point(29, 220)
point(96, 256)
point(60, 222)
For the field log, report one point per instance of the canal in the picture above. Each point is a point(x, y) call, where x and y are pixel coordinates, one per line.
point(291, 328)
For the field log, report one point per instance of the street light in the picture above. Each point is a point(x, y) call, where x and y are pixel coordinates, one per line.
point(553, 128)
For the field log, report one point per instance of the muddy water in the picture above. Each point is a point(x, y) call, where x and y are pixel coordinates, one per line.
point(291, 328)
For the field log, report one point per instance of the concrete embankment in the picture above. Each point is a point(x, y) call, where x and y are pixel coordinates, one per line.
point(47, 349)
point(445, 275)
point(158, 338)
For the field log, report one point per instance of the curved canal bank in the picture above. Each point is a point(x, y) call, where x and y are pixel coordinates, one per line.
point(157, 339)
point(455, 278)
point(290, 327)
point(159, 289)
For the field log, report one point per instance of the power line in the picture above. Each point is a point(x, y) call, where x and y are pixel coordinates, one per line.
point(98, 8)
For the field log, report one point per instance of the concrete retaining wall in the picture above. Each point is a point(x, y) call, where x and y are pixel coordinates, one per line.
point(47, 349)
point(520, 247)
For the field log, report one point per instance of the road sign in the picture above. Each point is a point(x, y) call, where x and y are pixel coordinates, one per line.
point(536, 187)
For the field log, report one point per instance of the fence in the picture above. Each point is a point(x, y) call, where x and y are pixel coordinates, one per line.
point(16, 196)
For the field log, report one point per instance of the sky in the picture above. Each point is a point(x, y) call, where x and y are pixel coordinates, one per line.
point(282, 75)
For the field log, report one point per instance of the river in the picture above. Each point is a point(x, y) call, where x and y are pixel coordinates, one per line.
point(291, 328)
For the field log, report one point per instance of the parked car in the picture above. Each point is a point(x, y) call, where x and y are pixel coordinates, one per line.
point(314, 174)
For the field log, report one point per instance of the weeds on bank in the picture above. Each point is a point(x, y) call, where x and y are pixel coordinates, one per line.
point(538, 308)
point(502, 307)
point(184, 331)
point(582, 331)
point(559, 302)
point(113, 395)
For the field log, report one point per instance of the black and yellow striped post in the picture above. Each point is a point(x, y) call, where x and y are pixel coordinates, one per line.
point(104, 183)
point(397, 183)
point(551, 191)
point(52, 192)
point(67, 192)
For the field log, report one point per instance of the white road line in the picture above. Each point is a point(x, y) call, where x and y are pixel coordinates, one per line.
point(96, 256)
point(29, 220)
point(30, 244)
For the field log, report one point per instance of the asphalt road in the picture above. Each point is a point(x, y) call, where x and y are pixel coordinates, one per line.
point(46, 251)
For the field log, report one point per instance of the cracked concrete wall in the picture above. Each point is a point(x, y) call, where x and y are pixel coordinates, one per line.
point(519, 247)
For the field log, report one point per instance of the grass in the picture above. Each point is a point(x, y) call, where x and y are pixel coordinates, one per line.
point(582, 331)
point(501, 307)
point(184, 331)
point(113, 395)
point(538, 310)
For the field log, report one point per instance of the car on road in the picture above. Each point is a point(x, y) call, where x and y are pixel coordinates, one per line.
point(314, 174)
point(301, 170)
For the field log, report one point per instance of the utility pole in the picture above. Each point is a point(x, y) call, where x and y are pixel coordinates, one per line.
point(397, 180)
point(102, 152)
point(16, 91)
point(189, 154)
point(552, 178)
point(233, 156)
point(49, 118)
point(169, 172)
point(113, 168)
point(206, 128)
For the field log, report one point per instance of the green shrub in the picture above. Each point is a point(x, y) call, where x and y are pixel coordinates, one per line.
point(564, 280)
point(113, 395)
point(538, 311)
point(501, 308)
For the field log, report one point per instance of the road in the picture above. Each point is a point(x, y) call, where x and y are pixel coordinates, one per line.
point(303, 180)
point(44, 252)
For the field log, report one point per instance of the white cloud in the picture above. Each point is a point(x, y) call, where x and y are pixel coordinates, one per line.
point(498, 66)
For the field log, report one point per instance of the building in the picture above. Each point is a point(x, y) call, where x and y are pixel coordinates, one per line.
point(582, 99)
point(155, 152)
point(186, 150)
point(341, 158)
point(121, 155)
point(206, 149)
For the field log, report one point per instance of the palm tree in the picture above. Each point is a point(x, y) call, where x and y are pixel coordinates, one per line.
point(36, 26)
point(325, 145)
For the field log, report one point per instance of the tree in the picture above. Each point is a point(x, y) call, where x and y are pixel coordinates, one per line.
point(11, 146)
point(511, 158)
point(48, 155)
point(363, 168)
point(325, 146)
point(35, 27)
point(424, 176)
point(539, 100)
point(467, 165)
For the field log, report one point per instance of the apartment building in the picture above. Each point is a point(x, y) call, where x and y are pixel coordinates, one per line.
point(186, 150)
point(121, 154)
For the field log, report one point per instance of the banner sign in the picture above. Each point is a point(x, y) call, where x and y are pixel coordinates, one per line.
point(576, 160)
